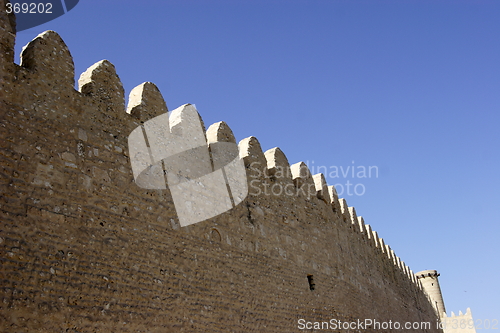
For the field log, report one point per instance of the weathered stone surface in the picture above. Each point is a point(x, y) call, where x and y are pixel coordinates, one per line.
point(222, 144)
point(102, 84)
point(321, 187)
point(48, 56)
point(7, 40)
point(277, 164)
point(83, 248)
point(354, 218)
point(146, 102)
point(303, 180)
point(7, 36)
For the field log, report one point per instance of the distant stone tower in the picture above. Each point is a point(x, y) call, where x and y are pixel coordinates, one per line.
point(430, 283)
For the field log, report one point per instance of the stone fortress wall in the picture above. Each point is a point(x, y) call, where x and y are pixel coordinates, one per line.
point(461, 323)
point(84, 249)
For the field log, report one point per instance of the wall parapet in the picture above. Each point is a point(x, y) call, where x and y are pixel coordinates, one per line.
point(277, 225)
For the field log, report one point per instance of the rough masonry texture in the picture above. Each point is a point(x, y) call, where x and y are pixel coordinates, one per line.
point(84, 249)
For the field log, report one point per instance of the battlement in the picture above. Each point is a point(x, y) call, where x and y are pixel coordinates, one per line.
point(46, 60)
point(461, 323)
point(70, 158)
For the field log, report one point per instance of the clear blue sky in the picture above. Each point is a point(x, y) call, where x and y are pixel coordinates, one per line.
point(411, 87)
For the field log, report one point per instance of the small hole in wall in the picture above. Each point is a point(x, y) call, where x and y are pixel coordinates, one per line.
point(311, 282)
point(215, 235)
